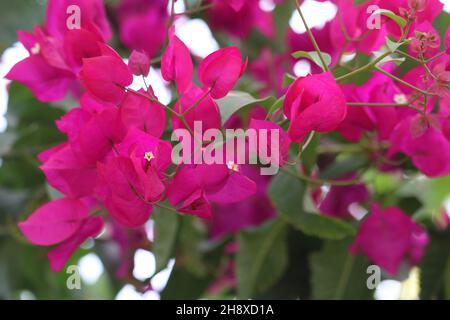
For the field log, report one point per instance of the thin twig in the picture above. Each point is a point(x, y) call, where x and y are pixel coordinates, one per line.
point(311, 37)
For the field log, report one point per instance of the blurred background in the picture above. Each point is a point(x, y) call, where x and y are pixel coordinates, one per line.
point(27, 127)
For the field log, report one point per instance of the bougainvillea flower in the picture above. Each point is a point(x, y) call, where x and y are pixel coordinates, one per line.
point(237, 187)
point(230, 218)
point(196, 204)
point(139, 63)
point(197, 106)
point(61, 12)
point(142, 113)
point(128, 242)
point(99, 134)
point(92, 105)
point(426, 41)
point(52, 68)
point(50, 49)
point(364, 118)
point(203, 183)
point(417, 77)
point(239, 18)
point(72, 122)
point(80, 44)
point(139, 19)
point(46, 82)
point(176, 63)
point(269, 69)
point(403, 8)
point(389, 237)
point(220, 71)
point(67, 172)
point(150, 157)
point(237, 4)
point(423, 140)
point(121, 189)
point(186, 194)
point(105, 77)
point(54, 222)
point(357, 120)
point(90, 228)
point(338, 199)
point(441, 80)
point(314, 103)
point(349, 28)
point(137, 143)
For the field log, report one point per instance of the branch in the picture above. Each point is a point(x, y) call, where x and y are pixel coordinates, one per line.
point(311, 37)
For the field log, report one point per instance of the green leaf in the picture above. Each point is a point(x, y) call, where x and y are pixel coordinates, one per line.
point(276, 105)
point(281, 15)
point(32, 125)
point(190, 244)
point(166, 228)
point(53, 194)
point(262, 257)
point(434, 265)
point(6, 141)
point(447, 280)
point(309, 155)
point(323, 227)
point(341, 167)
point(441, 23)
point(336, 274)
point(388, 13)
point(392, 45)
point(184, 285)
point(236, 100)
point(18, 15)
point(313, 56)
point(288, 79)
point(287, 194)
point(432, 193)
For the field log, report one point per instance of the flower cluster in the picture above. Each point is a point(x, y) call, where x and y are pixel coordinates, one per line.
point(116, 163)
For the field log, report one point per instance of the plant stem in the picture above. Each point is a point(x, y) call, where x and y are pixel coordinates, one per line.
point(345, 276)
point(376, 104)
point(301, 176)
point(198, 9)
point(336, 148)
point(407, 84)
point(405, 31)
point(381, 104)
point(162, 206)
point(365, 67)
point(197, 102)
point(311, 37)
point(408, 56)
point(440, 54)
point(151, 99)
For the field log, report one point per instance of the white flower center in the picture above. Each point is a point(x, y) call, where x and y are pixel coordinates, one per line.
point(36, 48)
point(400, 98)
point(233, 166)
point(149, 156)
